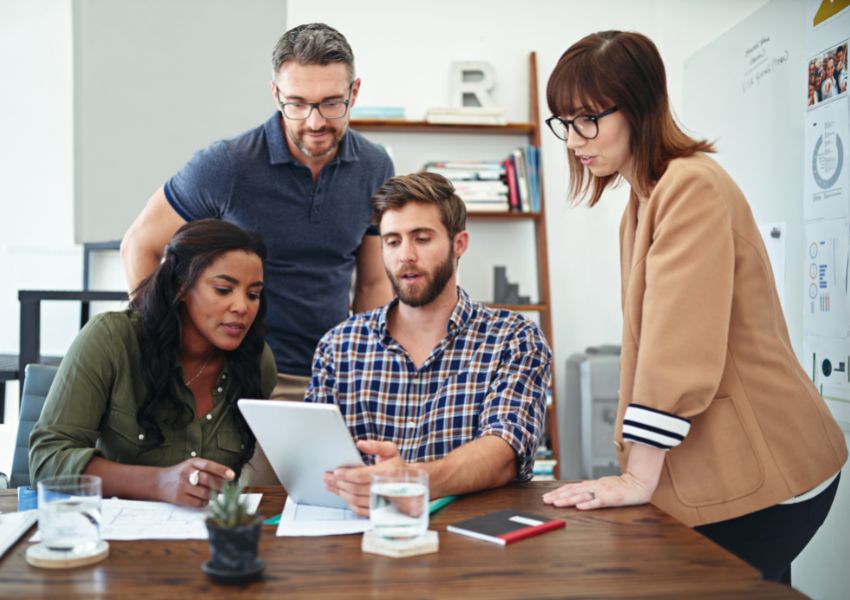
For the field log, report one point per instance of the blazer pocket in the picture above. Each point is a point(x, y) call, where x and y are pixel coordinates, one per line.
point(716, 463)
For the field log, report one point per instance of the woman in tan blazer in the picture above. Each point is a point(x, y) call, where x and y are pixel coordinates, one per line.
point(717, 424)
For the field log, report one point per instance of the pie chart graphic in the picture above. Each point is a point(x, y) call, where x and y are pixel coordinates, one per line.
point(827, 180)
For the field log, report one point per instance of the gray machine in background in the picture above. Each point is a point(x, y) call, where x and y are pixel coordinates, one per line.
point(586, 418)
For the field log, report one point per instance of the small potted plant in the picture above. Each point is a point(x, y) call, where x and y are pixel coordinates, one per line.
point(234, 537)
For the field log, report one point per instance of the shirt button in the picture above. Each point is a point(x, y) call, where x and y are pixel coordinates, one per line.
point(209, 416)
point(224, 375)
point(220, 389)
point(411, 423)
point(141, 436)
point(193, 453)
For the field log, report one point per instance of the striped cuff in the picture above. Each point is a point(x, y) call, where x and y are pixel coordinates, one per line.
point(653, 427)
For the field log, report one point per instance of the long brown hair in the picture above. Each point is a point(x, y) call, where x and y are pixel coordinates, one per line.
point(624, 69)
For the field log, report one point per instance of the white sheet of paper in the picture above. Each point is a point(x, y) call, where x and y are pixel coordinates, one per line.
point(13, 526)
point(147, 520)
point(305, 520)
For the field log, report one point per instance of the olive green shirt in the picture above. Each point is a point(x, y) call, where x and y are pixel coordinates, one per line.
point(91, 408)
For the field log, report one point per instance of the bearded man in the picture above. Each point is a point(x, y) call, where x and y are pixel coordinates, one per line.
point(432, 380)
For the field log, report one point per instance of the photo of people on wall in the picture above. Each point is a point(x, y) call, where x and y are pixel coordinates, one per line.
point(827, 75)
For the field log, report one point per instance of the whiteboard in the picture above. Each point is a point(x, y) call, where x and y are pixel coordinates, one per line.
point(747, 91)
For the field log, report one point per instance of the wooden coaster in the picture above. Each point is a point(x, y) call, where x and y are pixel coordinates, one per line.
point(38, 555)
point(428, 543)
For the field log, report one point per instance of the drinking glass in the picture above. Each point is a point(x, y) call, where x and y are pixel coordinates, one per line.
point(69, 513)
point(398, 504)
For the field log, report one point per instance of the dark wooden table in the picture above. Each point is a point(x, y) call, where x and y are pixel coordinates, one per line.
point(636, 552)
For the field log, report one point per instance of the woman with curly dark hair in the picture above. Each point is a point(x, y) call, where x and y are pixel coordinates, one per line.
point(146, 398)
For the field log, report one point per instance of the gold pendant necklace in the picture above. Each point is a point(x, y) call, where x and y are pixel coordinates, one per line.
point(201, 370)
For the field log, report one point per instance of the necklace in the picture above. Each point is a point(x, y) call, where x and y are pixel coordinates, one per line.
point(201, 370)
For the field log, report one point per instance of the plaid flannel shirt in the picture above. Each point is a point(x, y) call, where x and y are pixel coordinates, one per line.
point(488, 376)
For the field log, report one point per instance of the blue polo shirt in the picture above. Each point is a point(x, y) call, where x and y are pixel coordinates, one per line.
point(312, 230)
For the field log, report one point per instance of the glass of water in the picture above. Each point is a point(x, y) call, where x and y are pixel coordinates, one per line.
point(69, 513)
point(398, 504)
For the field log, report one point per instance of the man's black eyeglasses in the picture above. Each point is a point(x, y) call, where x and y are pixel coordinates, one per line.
point(329, 109)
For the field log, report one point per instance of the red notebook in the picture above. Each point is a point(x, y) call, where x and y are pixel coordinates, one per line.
point(506, 526)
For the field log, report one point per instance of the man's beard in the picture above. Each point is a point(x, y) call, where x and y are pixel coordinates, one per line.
point(435, 283)
point(298, 138)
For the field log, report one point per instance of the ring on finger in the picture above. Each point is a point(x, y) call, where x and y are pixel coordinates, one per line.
point(194, 477)
point(592, 494)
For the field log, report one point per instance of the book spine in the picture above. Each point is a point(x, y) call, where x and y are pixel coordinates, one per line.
point(527, 532)
point(510, 175)
point(522, 181)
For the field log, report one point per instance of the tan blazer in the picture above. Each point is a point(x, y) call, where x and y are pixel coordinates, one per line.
point(705, 342)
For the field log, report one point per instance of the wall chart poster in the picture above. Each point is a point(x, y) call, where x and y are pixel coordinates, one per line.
point(826, 267)
point(826, 205)
point(828, 366)
point(827, 176)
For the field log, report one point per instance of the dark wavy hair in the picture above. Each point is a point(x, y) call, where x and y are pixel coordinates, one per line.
point(157, 300)
point(625, 69)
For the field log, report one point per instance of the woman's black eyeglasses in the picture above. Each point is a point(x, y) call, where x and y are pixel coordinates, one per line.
point(586, 126)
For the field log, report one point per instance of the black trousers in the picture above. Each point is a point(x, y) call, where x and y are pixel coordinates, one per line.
point(770, 539)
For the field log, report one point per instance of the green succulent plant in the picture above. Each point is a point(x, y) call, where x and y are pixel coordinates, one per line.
point(227, 508)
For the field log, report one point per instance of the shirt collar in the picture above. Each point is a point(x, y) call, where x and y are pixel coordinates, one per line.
point(462, 313)
point(279, 150)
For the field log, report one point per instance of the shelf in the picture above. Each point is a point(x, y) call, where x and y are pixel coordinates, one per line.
point(425, 127)
point(504, 216)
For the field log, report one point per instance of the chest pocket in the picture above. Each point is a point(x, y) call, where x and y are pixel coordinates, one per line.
point(123, 440)
point(229, 441)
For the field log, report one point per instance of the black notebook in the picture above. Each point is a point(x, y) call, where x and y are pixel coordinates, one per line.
point(506, 526)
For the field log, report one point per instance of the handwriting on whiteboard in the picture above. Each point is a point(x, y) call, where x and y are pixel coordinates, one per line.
point(760, 60)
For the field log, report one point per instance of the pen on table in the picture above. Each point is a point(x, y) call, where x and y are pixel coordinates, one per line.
point(439, 503)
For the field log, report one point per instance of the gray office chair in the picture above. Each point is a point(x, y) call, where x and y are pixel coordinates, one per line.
point(36, 385)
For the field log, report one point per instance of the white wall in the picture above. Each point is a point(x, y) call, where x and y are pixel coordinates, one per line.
point(36, 203)
point(821, 569)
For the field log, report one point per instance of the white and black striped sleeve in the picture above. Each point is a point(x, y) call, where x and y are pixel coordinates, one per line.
point(653, 427)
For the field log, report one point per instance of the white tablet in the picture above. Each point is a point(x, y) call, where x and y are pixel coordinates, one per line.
point(302, 441)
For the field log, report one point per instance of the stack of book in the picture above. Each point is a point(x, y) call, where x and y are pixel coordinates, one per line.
point(480, 184)
point(486, 186)
point(522, 175)
point(544, 464)
point(377, 112)
point(466, 115)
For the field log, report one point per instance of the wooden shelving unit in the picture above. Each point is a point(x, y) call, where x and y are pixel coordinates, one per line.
point(531, 131)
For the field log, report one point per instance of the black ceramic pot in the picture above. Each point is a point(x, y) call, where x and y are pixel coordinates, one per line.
point(234, 549)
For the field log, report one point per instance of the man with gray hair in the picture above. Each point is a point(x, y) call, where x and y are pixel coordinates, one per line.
point(302, 180)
